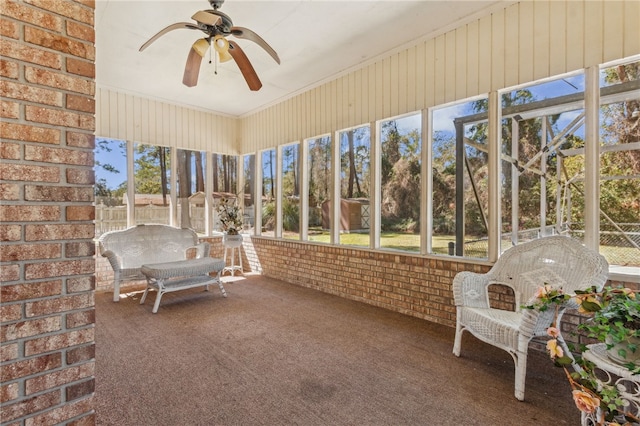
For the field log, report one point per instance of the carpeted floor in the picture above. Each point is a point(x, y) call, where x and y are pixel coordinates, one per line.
point(277, 354)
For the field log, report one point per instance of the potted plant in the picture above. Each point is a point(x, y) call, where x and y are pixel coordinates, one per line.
point(231, 219)
point(613, 319)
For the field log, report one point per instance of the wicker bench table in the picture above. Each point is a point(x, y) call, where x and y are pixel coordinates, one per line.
point(180, 275)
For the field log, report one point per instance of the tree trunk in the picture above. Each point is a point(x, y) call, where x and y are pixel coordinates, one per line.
point(216, 182)
point(199, 171)
point(162, 158)
point(184, 186)
point(249, 182)
point(352, 165)
point(271, 177)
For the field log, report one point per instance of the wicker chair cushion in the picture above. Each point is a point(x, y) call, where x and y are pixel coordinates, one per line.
point(186, 268)
point(497, 326)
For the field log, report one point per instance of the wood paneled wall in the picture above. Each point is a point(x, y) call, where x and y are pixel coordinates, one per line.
point(129, 117)
point(524, 42)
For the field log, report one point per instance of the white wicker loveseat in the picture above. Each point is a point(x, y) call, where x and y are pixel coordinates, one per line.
point(559, 261)
point(156, 245)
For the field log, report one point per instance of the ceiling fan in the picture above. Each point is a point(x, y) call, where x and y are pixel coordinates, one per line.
point(217, 26)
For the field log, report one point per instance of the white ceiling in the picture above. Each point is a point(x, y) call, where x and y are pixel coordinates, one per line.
point(316, 40)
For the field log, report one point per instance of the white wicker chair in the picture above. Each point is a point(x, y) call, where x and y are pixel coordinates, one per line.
point(557, 260)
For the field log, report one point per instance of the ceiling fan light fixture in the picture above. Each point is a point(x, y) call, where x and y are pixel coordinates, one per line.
point(221, 45)
point(201, 46)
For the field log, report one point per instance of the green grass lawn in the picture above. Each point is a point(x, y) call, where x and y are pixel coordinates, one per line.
point(623, 256)
point(398, 241)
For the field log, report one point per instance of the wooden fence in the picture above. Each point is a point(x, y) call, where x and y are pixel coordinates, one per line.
point(115, 218)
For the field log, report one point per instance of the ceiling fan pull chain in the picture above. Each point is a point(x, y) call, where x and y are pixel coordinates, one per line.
point(215, 71)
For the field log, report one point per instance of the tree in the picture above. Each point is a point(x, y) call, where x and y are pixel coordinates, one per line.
point(620, 197)
point(319, 171)
point(390, 148)
point(105, 145)
point(102, 191)
point(444, 180)
point(184, 186)
point(162, 159)
point(249, 179)
point(216, 172)
point(354, 162)
point(529, 144)
point(150, 170)
point(400, 178)
point(290, 188)
point(269, 174)
point(290, 181)
point(353, 176)
point(224, 173)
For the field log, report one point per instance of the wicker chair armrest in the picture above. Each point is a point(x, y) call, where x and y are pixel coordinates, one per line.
point(114, 259)
point(201, 250)
point(470, 289)
point(535, 322)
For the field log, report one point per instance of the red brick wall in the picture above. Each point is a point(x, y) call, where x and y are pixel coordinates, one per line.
point(413, 285)
point(46, 191)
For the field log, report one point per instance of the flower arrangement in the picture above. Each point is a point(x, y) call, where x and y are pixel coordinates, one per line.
point(614, 319)
point(230, 216)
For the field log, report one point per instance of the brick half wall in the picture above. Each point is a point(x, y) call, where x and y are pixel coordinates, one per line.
point(413, 285)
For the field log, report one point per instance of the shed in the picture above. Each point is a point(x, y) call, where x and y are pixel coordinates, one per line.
point(354, 214)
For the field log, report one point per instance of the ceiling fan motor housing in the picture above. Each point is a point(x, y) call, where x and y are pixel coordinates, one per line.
point(223, 26)
point(216, 4)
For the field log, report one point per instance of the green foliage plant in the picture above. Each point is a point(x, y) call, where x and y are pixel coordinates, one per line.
point(613, 318)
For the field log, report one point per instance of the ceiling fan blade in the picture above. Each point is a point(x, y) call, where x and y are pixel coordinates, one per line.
point(246, 33)
point(206, 17)
point(171, 27)
point(245, 66)
point(194, 59)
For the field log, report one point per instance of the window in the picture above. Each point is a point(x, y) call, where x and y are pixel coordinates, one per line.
point(460, 180)
point(225, 182)
point(319, 196)
point(400, 183)
point(269, 192)
point(291, 191)
point(542, 186)
point(355, 167)
point(190, 186)
point(225, 174)
point(620, 165)
point(111, 185)
point(249, 198)
point(151, 182)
